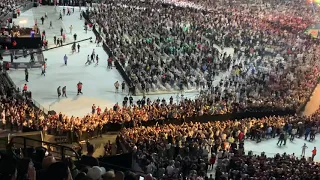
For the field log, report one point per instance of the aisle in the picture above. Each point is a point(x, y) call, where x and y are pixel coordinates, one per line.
point(314, 102)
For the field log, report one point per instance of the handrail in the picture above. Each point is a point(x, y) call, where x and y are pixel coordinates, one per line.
point(61, 148)
point(38, 105)
point(10, 80)
point(63, 154)
point(3, 142)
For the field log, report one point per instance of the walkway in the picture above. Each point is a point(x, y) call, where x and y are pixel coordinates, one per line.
point(314, 103)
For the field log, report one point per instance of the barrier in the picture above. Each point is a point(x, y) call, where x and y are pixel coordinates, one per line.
point(34, 102)
point(108, 51)
point(38, 105)
point(12, 84)
point(76, 135)
point(59, 151)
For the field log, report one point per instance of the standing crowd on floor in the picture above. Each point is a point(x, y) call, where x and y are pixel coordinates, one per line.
point(192, 148)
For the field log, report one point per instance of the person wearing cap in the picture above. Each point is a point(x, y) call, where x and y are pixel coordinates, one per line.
point(109, 175)
point(58, 171)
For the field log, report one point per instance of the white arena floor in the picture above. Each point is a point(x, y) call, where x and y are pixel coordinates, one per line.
point(97, 80)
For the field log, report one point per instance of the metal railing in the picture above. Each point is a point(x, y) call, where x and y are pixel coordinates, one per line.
point(268, 154)
point(38, 105)
point(10, 81)
point(3, 142)
point(59, 151)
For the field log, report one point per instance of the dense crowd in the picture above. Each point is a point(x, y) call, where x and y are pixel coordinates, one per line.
point(189, 148)
point(165, 47)
point(285, 166)
point(264, 66)
point(259, 78)
point(41, 165)
point(7, 6)
point(176, 49)
point(16, 111)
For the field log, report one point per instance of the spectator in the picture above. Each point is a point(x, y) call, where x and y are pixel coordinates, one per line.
point(58, 171)
point(8, 168)
point(89, 160)
point(46, 163)
point(96, 172)
point(109, 175)
point(73, 170)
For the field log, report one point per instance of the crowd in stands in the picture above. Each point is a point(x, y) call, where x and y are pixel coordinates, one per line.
point(285, 166)
point(7, 6)
point(188, 148)
point(175, 49)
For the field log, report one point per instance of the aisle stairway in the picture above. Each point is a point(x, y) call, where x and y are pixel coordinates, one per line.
point(314, 102)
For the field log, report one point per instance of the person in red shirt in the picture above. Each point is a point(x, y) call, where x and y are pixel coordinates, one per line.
point(314, 153)
point(25, 88)
point(98, 110)
point(7, 66)
point(44, 43)
point(212, 161)
point(110, 63)
point(240, 137)
point(79, 87)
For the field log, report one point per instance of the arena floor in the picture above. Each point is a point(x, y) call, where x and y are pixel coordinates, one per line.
point(97, 81)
